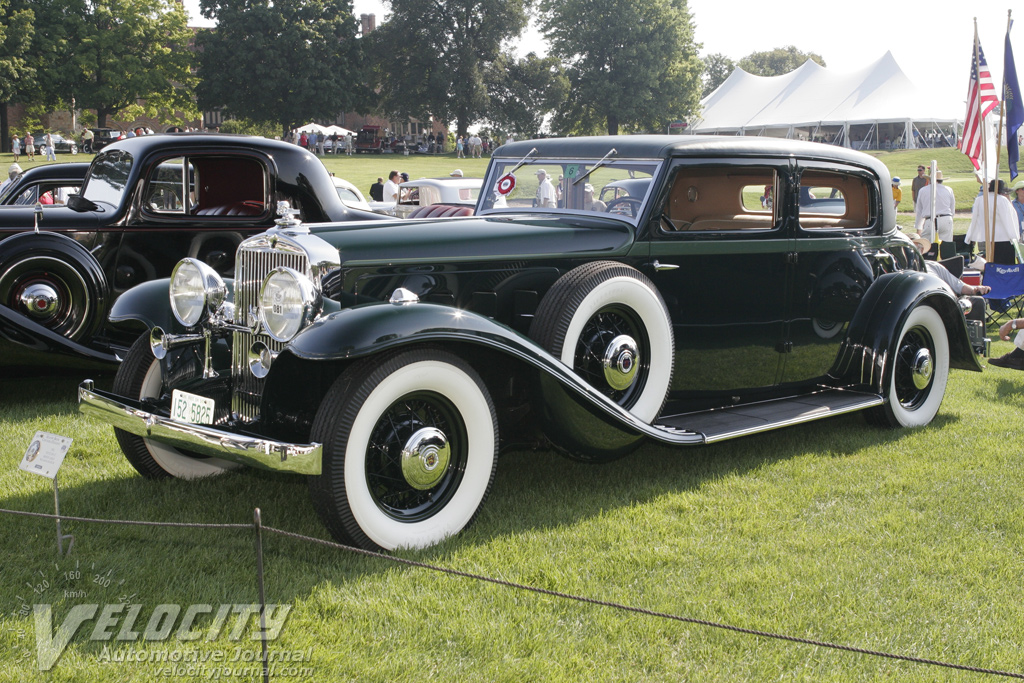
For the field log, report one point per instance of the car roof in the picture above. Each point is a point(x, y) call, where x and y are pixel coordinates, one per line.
point(143, 144)
point(75, 169)
point(669, 146)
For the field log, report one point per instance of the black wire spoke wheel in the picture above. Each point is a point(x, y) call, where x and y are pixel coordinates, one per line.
point(914, 368)
point(424, 423)
point(611, 355)
point(50, 292)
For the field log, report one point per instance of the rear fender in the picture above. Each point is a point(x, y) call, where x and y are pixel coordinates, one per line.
point(871, 337)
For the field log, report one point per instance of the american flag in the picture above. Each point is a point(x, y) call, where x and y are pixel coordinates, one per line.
point(980, 88)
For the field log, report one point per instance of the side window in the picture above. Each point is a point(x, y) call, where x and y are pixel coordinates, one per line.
point(722, 198)
point(167, 191)
point(830, 200)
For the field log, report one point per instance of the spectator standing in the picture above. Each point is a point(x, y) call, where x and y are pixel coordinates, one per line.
point(545, 191)
point(15, 146)
point(390, 192)
point(1007, 225)
point(49, 153)
point(304, 141)
point(320, 138)
point(474, 146)
point(920, 180)
point(13, 171)
point(945, 205)
point(897, 193)
point(459, 144)
point(87, 138)
point(1018, 203)
point(30, 147)
point(348, 148)
point(377, 190)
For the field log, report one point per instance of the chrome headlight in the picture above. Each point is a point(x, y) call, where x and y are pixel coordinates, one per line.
point(195, 289)
point(288, 302)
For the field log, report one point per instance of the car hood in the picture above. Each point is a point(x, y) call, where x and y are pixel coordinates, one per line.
point(475, 238)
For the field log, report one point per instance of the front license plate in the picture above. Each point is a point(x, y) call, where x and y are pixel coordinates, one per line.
point(186, 407)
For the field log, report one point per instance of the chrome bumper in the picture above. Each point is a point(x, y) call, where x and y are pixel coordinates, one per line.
point(253, 451)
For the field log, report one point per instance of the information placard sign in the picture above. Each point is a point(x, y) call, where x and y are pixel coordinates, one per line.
point(45, 454)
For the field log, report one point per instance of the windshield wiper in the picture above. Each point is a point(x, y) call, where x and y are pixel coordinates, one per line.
point(523, 161)
point(596, 166)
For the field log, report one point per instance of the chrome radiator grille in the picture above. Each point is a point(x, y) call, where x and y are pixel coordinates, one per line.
point(252, 264)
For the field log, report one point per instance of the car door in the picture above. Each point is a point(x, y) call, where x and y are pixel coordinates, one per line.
point(837, 227)
point(719, 257)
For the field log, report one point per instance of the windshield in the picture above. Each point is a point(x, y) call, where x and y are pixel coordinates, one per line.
point(619, 187)
point(108, 177)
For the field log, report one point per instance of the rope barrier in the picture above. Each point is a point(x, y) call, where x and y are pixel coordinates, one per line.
point(259, 527)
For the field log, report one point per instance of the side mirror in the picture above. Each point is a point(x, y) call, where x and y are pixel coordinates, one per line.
point(77, 202)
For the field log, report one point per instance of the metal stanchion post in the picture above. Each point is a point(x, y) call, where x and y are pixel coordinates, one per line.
point(263, 599)
point(56, 511)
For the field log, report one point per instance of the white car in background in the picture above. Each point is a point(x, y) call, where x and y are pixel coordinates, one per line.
point(451, 191)
point(350, 194)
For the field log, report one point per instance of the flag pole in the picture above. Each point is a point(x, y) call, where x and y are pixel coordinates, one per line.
point(990, 246)
point(990, 234)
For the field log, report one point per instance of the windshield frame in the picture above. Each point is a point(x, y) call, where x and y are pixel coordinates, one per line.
point(569, 168)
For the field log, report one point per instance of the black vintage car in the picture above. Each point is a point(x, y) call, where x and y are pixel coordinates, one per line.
point(146, 203)
point(390, 363)
point(50, 183)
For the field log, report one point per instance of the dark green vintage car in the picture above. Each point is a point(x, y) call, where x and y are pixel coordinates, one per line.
point(391, 362)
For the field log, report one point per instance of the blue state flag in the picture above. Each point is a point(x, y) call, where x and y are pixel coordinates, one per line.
point(1014, 107)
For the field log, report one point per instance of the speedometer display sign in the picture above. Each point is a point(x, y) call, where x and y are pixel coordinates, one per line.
point(506, 184)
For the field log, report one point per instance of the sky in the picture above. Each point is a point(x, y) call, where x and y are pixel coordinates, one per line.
point(932, 41)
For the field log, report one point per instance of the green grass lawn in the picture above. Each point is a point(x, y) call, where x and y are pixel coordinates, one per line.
point(906, 542)
point(899, 541)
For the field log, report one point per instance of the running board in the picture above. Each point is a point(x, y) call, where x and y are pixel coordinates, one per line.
point(719, 424)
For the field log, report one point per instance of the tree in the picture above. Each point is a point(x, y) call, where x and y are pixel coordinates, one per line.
point(630, 63)
point(522, 92)
point(430, 58)
point(16, 30)
point(122, 58)
point(717, 68)
point(777, 62)
point(282, 62)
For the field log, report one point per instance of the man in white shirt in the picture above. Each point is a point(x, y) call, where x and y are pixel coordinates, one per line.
point(13, 171)
point(391, 187)
point(945, 205)
point(545, 190)
point(1007, 229)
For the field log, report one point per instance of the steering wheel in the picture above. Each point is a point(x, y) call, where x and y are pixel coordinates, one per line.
point(624, 206)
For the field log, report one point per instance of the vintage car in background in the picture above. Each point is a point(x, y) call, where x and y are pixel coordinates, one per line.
point(350, 194)
point(49, 183)
point(61, 144)
point(460, 193)
point(370, 139)
point(104, 136)
point(146, 203)
point(391, 362)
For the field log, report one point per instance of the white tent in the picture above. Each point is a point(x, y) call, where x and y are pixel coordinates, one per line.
point(874, 107)
point(339, 131)
point(311, 128)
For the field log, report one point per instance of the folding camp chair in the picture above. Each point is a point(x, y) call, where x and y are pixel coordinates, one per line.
point(1007, 295)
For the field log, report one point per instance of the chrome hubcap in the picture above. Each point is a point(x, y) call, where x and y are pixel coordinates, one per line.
point(923, 367)
point(39, 300)
point(620, 362)
point(425, 458)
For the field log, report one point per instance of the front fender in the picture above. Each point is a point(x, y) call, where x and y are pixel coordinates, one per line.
point(584, 417)
point(19, 334)
point(871, 336)
point(150, 304)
